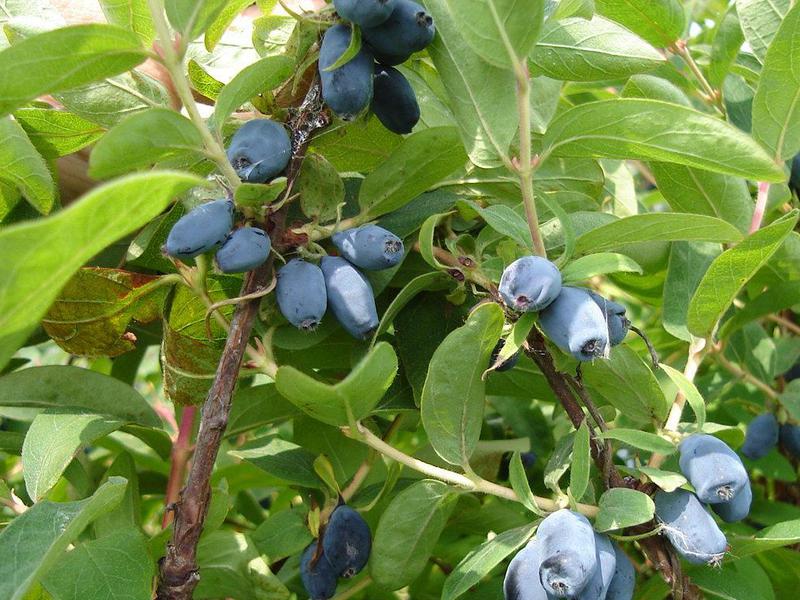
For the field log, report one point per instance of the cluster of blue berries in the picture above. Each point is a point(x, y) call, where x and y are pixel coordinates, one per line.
point(346, 545)
point(577, 320)
point(259, 151)
point(568, 559)
point(763, 434)
point(391, 31)
point(305, 291)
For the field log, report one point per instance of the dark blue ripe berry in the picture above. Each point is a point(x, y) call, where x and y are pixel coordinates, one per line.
point(606, 564)
point(530, 284)
point(369, 247)
point(737, 509)
point(347, 541)
point(348, 89)
point(319, 577)
point(243, 250)
point(790, 438)
point(259, 150)
point(200, 230)
point(624, 581)
point(408, 29)
point(394, 101)
point(522, 576)
point(794, 180)
point(618, 324)
point(575, 324)
point(761, 436)
point(350, 297)
point(690, 528)
point(364, 13)
point(301, 294)
point(568, 553)
point(714, 470)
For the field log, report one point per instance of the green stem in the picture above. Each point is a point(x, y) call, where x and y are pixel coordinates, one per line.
point(714, 97)
point(173, 62)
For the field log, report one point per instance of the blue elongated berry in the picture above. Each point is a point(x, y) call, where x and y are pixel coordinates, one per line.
point(369, 247)
point(364, 13)
point(318, 576)
point(259, 150)
point(576, 324)
point(761, 436)
point(508, 363)
point(530, 284)
point(350, 297)
point(301, 294)
point(714, 470)
point(690, 528)
point(347, 541)
point(623, 583)
point(790, 438)
point(243, 250)
point(394, 101)
point(737, 509)
point(568, 553)
point(794, 180)
point(618, 324)
point(408, 29)
point(522, 576)
point(606, 564)
point(200, 230)
point(347, 90)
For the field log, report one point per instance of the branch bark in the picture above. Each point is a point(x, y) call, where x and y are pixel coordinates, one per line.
point(655, 548)
point(178, 569)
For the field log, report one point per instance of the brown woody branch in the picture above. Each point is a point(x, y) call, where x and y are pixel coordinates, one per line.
point(656, 549)
point(178, 569)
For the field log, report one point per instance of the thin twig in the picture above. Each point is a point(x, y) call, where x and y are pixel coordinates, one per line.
point(181, 451)
point(749, 378)
point(761, 206)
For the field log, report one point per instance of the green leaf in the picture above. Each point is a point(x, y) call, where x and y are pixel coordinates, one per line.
point(64, 58)
point(216, 30)
point(22, 166)
point(53, 439)
point(423, 159)
point(655, 88)
point(626, 383)
point(660, 22)
point(666, 480)
point(260, 77)
point(581, 462)
point(353, 398)
point(56, 133)
point(38, 258)
point(760, 20)
point(202, 81)
point(115, 566)
point(284, 460)
point(129, 511)
point(622, 507)
point(36, 11)
point(688, 262)
point(356, 146)
point(775, 536)
point(407, 532)
point(519, 483)
point(480, 561)
point(60, 387)
point(558, 463)
point(133, 15)
point(454, 393)
point(776, 106)
point(193, 17)
point(777, 297)
point(573, 8)
point(426, 281)
point(639, 439)
point(492, 28)
point(701, 192)
point(653, 130)
point(651, 227)
point(320, 187)
point(690, 392)
point(504, 220)
point(33, 542)
point(601, 263)
point(731, 270)
point(725, 47)
point(282, 534)
point(486, 114)
point(143, 140)
point(94, 310)
point(426, 239)
point(575, 49)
